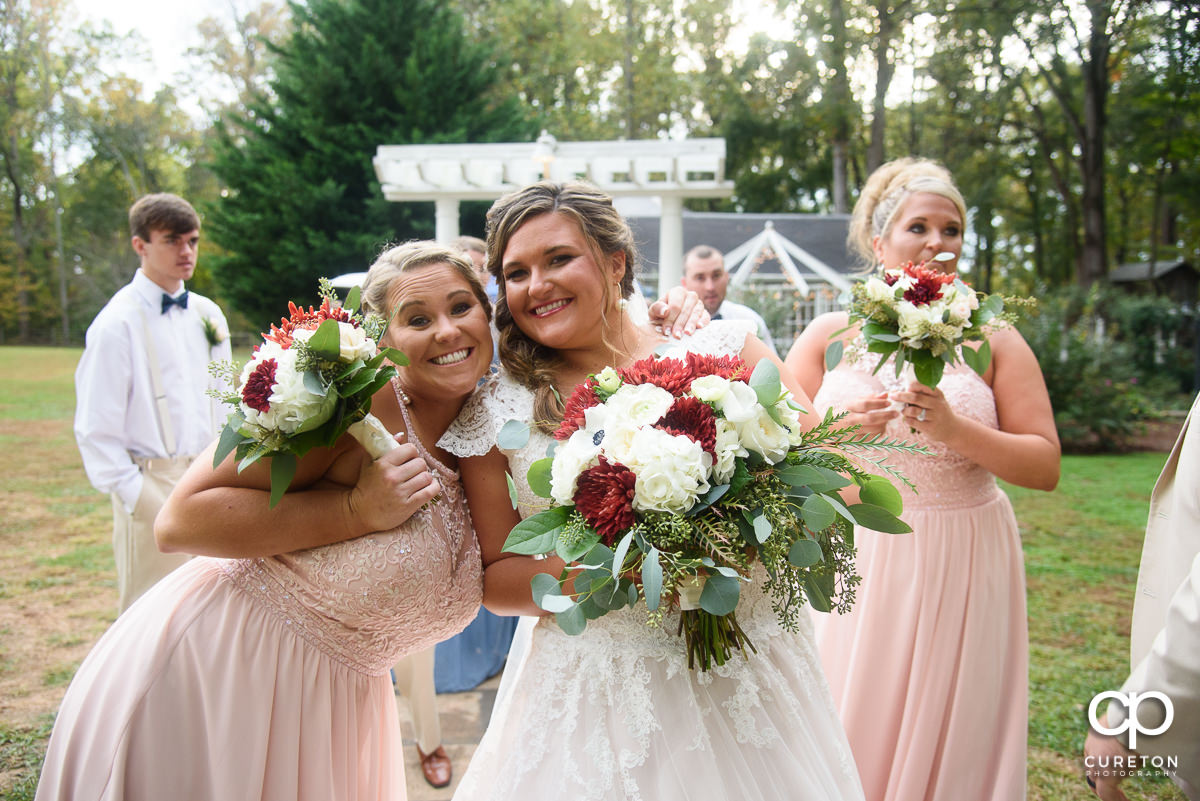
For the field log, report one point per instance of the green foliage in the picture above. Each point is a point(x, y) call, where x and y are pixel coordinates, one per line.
point(1104, 387)
point(303, 199)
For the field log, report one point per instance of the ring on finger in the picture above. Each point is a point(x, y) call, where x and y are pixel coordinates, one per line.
point(921, 415)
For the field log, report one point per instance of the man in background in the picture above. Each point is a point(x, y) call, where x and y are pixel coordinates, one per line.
point(476, 251)
point(142, 412)
point(704, 273)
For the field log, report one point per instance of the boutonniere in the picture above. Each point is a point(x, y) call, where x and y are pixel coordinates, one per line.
point(214, 331)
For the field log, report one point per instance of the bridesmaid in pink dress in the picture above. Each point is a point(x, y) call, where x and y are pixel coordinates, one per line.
point(930, 668)
point(260, 670)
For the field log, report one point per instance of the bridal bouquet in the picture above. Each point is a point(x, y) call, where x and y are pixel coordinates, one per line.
point(310, 381)
point(672, 478)
point(923, 316)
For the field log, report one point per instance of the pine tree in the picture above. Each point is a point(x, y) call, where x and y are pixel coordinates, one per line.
point(303, 200)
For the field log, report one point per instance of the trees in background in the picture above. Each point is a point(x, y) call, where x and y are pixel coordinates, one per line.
point(1071, 125)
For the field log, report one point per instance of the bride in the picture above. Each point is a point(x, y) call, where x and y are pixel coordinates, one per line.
point(615, 713)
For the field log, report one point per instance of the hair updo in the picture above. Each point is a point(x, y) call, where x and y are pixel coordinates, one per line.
point(884, 195)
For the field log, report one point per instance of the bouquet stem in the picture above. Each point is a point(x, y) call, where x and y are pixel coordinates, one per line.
point(712, 638)
point(373, 436)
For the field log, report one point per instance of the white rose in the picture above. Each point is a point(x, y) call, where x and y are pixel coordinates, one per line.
point(791, 421)
point(710, 388)
point(608, 379)
point(618, 442)
point(672, 471)
point(639, 404)
point(764, 436)
point(293, 408)
point(913, 321)
point(740, 403)
point(571, 458)
point(960, 311)
point(728, 448)
point(354, 344)
point(877, 289)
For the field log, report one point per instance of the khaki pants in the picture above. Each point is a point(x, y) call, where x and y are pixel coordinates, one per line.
point(414, 680)
point(139, 562)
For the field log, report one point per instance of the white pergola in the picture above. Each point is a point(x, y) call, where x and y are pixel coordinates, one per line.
point(746, 256)
point(668, 169)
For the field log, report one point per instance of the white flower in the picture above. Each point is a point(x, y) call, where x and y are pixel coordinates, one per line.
point(764, 436)
point(672, 471)
point(639, 404)
point(877, 289)
point(913, 320)
point(791, 421)
point(740, 404)
point(571, 458)
point(728, 448)
point(960, 311)
point(354, 344)
point(293, 407)
point(215, 331)
point(710, 388)
point(608, 379)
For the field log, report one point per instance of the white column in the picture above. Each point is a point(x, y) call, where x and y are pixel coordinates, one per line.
point(670, 243)
point(446, 213)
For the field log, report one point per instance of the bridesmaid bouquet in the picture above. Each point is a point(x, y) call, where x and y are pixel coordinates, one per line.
point(923, 316)
point(672, 478)
point(310, 381)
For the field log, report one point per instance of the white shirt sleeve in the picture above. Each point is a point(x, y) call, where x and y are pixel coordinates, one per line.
point(103, 382)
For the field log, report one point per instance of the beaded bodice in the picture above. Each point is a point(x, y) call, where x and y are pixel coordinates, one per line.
point(944, 479)
point(368, 601)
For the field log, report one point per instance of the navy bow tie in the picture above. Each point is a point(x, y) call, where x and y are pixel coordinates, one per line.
point(716, 316)
point(168, 301)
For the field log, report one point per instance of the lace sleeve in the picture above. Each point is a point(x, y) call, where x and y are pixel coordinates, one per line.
point(718, 338)
point(474, 431)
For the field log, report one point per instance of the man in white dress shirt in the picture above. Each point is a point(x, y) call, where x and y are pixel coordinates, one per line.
point(142, 412)
point(704, 273)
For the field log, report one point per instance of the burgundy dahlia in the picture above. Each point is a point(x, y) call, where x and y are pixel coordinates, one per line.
point(672, 375)
point(604, 496)
point(583, 398)
point(693, 418)
point(257, 392)
point(927, 285)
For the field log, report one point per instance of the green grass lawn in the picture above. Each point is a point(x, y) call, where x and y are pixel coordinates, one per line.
point(1082, 545)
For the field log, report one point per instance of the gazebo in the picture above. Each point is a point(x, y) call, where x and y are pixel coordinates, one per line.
point(670, 170)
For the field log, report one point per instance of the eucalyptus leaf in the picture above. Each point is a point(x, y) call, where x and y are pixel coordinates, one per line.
point(513, 435)
point(765, 383)
point(556, 603)
point(543, 584)
point(880, 492)
point(577, 550)
point(720, 595)
point(572, 621)
point(652, 579)
point(805, 553)
point(818, 513)
point(762, 528)
point(353, 298)
point(620, 552)
point(312, 382)
point(326, 341)
point(833, 354)
point(283, 469)
point(538, 533)
point(816, 478)
point(539, 476)
point(512, 489)
point(876, 518)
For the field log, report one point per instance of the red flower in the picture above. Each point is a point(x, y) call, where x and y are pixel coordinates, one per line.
point(670, 374)
point(583, 398)
point(729, 367)
point(604, 496)
point(299, 318)
point(257, 392)
point(692, 418)
point(927, 285)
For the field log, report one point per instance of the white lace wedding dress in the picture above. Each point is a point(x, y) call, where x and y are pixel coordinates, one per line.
point(615, 713)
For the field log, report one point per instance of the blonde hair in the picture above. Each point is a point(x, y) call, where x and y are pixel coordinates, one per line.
point(530, 363)
point(409, 256)
point(884, 195)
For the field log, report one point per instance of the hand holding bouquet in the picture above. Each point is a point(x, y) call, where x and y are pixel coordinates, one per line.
point(672, 478)
point(310, 381)
point(923, 316)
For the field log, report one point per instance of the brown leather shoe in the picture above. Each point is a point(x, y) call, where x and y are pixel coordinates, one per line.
point(435, 766)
